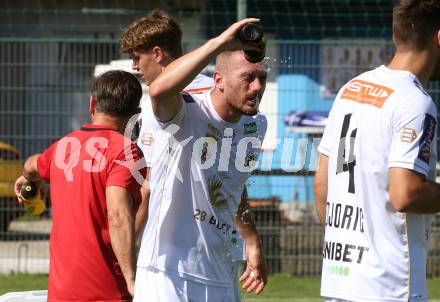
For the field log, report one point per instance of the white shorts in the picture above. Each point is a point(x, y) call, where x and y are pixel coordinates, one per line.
point(238, 267)
point(154, 285)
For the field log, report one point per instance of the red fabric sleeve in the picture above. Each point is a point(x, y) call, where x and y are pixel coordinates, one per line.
point(128, 172)
point(44, 161)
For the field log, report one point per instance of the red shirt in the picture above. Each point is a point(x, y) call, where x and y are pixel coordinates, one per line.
point(79, 167)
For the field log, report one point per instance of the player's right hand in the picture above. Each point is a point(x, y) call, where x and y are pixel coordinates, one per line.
point(229, 40)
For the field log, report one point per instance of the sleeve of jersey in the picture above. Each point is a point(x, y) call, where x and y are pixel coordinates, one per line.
point(178, 118)
point(262, 126)
point(413, 135)
point(128, 171)
point(146, 140)
point(327, 137)
point(43, 162)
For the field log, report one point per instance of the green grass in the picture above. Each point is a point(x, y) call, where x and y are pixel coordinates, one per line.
point(281, 287)
point(22, 282)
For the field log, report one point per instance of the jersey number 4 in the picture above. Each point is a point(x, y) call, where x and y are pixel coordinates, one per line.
point(346, 162)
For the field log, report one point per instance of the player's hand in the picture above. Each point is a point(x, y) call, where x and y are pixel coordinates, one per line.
point(254, 279)
point(18, 184)
point(43, 187)
point(229, 40)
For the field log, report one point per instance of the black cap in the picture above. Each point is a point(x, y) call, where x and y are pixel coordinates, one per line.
point(29, 191)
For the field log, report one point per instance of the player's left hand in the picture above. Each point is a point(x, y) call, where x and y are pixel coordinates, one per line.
point(254, 279)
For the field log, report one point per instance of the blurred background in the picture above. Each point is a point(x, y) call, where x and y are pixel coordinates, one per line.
point(50, 49)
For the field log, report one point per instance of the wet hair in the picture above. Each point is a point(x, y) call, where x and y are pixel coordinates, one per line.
point(155, 29)
point(117, 93)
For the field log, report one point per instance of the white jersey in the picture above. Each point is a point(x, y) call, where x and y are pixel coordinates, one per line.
point(201, 164)
point(379, 120)
point(148, 123)
point(150, 130)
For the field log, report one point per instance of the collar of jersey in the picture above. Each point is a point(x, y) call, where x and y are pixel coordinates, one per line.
point(397, 71)
point(215, 113)
point(91, 127)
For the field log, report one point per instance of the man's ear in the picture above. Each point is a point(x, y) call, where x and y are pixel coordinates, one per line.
point(92, 105)
point(218, 80)
point(438, 37)
point(158, 54)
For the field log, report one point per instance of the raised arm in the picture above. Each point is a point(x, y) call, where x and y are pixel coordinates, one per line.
point(164, 90)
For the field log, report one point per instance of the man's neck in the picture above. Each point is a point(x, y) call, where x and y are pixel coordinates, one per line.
point(106, 120)
point(223, 109)
point(418, 63)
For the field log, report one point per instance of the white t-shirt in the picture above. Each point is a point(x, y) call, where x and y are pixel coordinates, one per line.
point(148, 123)
point(381, 119)
point(201, 164)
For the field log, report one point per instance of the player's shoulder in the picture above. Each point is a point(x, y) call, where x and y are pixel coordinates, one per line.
point(392, 88)
point(191, 98)
point(260, 117)
point(401, 84)
point(413, 97)
point(200, 84)
point(119, 143)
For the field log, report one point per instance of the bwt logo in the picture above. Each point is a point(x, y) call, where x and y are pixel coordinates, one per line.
point(367, 93)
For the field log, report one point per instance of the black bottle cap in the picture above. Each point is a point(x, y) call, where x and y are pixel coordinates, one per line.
point(28, 191)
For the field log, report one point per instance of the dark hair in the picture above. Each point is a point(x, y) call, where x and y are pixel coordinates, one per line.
point(155, 29)
point(415, 22)
point(117, 93)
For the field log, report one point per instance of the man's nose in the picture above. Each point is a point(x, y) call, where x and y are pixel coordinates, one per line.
point(257, 85)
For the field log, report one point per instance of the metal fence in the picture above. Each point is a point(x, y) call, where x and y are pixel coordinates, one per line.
point(44, 95)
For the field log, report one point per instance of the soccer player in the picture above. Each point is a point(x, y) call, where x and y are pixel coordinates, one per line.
point(94, 197)
point(207, 148)
point(374, 185)
point(154, 41)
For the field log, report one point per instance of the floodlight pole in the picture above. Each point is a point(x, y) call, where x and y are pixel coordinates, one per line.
point(241, 9)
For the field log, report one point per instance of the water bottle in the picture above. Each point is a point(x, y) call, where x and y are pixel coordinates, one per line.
point(252, 33)
point(33, 202)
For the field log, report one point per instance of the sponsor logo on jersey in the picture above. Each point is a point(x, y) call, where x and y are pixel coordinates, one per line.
point(205, 154)
point(146, 138)
point(250, 128)
point(408, 135)
point(366, 93)
point(217, 199)
point(214, 132)
point(251, 158)
point(427, 137)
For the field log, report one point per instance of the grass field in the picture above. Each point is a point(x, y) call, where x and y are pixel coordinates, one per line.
point(281, 288)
